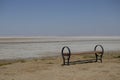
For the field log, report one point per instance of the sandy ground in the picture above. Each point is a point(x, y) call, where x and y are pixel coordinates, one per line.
point(51, 69)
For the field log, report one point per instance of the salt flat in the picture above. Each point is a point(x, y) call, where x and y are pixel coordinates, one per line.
point(28, 47)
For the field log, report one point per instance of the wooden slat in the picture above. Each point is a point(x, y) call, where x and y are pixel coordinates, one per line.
point(87, 52)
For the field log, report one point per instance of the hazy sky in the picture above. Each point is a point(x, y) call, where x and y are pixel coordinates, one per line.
point(60, 17)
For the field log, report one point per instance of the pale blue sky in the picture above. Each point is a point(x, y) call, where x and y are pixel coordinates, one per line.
point(60, 17)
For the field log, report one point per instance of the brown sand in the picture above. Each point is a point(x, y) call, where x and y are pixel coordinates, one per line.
point(51, 69)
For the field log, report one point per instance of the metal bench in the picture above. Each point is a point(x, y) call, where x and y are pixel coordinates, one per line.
point(66, 56)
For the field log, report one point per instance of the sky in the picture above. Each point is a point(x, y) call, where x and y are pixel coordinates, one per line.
point(60, 17)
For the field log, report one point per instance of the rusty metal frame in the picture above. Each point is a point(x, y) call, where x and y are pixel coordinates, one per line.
point(66, 55)
point(99, 55)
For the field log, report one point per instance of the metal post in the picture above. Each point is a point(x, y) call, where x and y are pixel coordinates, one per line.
point(66, 56)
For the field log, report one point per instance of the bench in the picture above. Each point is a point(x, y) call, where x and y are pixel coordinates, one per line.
point(98, 54)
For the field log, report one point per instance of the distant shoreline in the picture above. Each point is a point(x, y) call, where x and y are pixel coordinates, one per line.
point(48, 39)
point(59, 36)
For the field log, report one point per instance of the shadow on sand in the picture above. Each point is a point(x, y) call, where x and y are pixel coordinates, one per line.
point(83, 61)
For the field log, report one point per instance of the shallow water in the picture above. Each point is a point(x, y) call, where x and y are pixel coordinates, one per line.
point(50, 47)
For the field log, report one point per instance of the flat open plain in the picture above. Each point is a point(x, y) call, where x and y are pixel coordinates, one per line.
point(39, 59)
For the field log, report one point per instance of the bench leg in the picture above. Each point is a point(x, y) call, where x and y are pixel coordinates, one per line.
point(66, 61)
point(96, 57)
point(99, 57)
point(66, 57)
